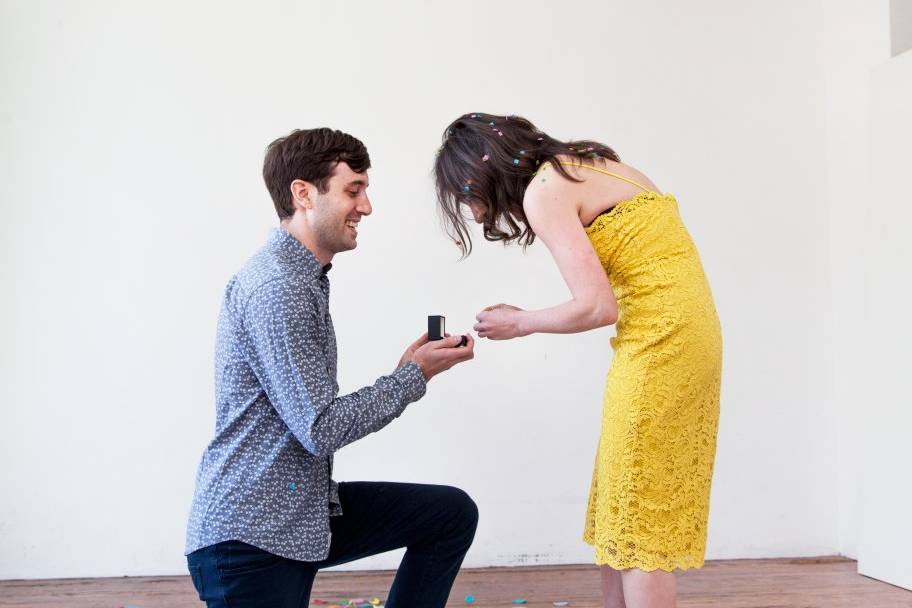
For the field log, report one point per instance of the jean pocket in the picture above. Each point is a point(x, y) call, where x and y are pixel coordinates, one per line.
point(235, 557)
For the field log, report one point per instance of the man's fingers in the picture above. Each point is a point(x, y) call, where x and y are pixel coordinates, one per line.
point(450, 341)
point(462, 354)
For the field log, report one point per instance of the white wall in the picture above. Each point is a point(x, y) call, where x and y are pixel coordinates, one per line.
point(131, 138)
point(856, 41)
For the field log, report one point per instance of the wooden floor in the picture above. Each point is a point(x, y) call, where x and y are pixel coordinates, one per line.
point(777, 583)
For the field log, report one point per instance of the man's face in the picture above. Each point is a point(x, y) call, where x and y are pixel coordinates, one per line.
point(336, 212)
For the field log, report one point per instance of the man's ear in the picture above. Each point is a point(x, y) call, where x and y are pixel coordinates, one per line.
point(302, 194)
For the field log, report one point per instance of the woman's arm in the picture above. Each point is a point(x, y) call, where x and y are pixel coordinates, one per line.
point(555, 220)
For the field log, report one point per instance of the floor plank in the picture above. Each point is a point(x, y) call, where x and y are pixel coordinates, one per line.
point(828, 582)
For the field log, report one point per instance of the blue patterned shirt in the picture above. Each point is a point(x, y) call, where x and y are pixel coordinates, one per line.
point(266, 477)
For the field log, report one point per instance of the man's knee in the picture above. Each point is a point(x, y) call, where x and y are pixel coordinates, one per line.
point(464, 510)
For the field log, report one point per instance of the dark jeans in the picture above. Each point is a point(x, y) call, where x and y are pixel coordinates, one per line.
point(436, 523)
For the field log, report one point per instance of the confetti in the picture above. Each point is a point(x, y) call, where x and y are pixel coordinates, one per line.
point(470, 599)
point(485, 158)
point(520, 600)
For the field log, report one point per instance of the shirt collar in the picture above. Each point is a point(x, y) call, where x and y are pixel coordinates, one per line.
point(291, 250)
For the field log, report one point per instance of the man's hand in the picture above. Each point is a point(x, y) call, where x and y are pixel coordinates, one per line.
point(439, 355)
point(410, 351)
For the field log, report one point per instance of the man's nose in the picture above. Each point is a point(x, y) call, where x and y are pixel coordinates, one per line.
point(364, 207)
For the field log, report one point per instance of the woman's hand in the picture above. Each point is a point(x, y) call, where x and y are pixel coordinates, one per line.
point(500, 322)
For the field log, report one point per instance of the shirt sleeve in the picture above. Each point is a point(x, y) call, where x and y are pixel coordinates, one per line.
point(288, 357)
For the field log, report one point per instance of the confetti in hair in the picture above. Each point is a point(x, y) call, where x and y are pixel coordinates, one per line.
point(485, 158)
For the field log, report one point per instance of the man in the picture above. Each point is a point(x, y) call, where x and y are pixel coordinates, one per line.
point(266, 514)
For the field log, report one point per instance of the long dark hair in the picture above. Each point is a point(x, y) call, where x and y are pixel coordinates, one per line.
point(491, 159)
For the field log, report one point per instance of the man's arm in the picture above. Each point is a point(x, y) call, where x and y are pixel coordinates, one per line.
point(288, 358)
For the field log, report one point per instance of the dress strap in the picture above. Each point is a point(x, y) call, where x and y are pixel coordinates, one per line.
point(603, 171)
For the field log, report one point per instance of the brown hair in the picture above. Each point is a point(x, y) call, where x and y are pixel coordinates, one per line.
point(310, 155)
point(491, 159)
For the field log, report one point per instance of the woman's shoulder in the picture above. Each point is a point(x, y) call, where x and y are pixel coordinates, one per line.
point(548, 187)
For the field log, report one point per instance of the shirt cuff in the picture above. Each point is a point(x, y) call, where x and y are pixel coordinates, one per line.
point(414, 386)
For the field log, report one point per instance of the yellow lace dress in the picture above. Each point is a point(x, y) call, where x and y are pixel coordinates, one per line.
point(649, 500)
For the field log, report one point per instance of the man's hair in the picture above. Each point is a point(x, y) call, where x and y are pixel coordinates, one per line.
point(310, 155)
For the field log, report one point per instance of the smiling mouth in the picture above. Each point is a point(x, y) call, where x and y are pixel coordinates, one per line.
point(353, 225)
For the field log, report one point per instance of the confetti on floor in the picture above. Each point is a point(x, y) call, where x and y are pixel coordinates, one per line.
point(358, 602)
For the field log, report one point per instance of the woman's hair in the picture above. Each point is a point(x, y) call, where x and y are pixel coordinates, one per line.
point(490, 160)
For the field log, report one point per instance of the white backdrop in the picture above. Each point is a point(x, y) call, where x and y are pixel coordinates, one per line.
point(132, 142)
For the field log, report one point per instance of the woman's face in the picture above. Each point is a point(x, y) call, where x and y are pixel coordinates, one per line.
point(478, 211)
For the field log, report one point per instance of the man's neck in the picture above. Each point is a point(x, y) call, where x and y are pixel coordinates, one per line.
point(298, 228)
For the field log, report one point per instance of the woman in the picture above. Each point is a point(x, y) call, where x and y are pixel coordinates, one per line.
point(626, 257)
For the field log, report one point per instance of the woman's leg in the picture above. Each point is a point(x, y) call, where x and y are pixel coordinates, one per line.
point(612, 590)
point(656, 589)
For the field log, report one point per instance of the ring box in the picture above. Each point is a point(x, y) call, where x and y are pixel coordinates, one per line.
point(436, 327)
